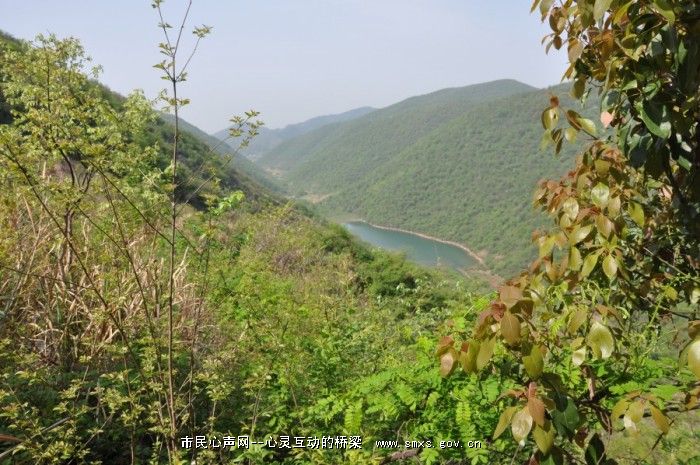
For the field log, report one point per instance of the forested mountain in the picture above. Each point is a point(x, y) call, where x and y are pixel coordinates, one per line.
point(273, 313)
point(268, 138)
point(160, 305)
point(203, 157)
point(459, 164)
point(231, 155)
point(354, 148)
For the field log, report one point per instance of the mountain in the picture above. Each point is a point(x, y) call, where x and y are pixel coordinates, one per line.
point(270, 310)
point(268, 139)
point(243, 164)
point(459, 164)
point(202, 156)
point(352, 149)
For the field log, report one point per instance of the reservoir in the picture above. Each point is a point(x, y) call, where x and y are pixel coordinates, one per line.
point(418, 249)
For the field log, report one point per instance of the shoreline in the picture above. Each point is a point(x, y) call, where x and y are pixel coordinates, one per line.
point(425, 236)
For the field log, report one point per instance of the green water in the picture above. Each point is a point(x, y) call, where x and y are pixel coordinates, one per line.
point(418, 249)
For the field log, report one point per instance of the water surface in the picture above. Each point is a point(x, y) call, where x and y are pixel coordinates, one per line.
point(419, 249)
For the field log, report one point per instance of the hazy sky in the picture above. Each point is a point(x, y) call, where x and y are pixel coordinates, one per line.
point(295, 59)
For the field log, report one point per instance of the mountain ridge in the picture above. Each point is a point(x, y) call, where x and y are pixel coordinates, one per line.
point(463, 174)
point(268, 139)
point(405, 121)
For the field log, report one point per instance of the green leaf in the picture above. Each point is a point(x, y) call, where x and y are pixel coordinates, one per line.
point(546, 244)
point(666, 391)
point(550, 118)
point(468, 360)
point(566, 420)
point(619, 408)
point(570, 208)
point(665, 9)
point(575, 49)
point(614, 206)
point(576, 319)
point(580, 234)
point(695, 295)
point(595, 452)
point(575, 260)
point(578, 89)
point(660, 419)
point(636, 213)
point(599, 8)
point(600, 194)
point(621, 11)
point(604, 225)
point(570, 134)
point(544, 437)
point(504, 421)
point(545, 5)
point(579, 356)
point(589, 263)
point(600, 340)
point(485, 353)
point(521, 425)
point(555, 457)
point(510, 327)
point(694, 357)
point(610, 267)
point(534, 363)
point(588, 126)
point(657, 119)
point(635, 412)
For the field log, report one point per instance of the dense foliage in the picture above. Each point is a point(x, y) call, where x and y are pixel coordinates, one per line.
point(148, 292)
point(604, 328)
point(280, 324)
point(199, 161)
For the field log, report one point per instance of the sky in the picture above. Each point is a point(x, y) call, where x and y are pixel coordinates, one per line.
point(293, 60)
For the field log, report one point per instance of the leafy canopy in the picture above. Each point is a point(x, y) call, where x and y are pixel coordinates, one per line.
point(604, 328)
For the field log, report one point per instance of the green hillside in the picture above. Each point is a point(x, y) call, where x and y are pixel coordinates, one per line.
point(151, 313)
point(349, 150)
point(268, 139)
point(243, 166)
point(202, 157)
point(459, 169)
point(277, 314)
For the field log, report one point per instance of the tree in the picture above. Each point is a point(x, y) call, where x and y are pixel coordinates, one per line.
point(103, 339)
point(588, 330)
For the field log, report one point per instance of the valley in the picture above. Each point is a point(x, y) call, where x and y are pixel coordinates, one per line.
point(457, 164)
point(507, 267)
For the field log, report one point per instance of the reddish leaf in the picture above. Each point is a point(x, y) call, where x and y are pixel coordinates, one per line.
point(510, 327)
point(510, 295)
point(536, 408)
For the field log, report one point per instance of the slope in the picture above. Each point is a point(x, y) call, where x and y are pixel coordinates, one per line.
point(201, 157)
point(268, 139)
point(327, 159)
point(462, 183)
point(467, 178)
point(275, 312)
point(229, 154)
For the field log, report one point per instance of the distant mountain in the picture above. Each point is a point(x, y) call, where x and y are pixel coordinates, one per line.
point(351, 149)
point(459, 164)
point(223, 149)
point(268, 139)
